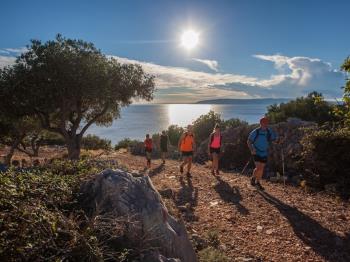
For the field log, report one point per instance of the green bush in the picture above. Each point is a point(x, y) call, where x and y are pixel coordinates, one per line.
point(311, 108)
point(126, 143)
point(93, 142)
point(232, 123)
point(211, 254)
point(327, 155)
point(41, 218)
point(174, 133)
point(204, 125)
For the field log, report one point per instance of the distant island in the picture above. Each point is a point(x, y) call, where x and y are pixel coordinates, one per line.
point(245, 101)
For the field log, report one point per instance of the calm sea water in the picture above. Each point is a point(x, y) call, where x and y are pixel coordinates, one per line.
point(137, 120)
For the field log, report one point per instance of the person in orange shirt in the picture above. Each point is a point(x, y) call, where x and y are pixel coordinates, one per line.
point(187, 147)
point(148, 150)
point(214, 146)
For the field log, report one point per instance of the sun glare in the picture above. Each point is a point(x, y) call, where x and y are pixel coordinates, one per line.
point(189, 39)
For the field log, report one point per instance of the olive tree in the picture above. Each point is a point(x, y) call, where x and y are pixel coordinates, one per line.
point(69, 85)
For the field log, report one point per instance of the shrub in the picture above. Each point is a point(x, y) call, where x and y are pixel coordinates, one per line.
point(233, 122)
point(41, 218)
point(126, 143)
point(93, 142)
point(311, 108)
point(174, 133)
point(326, 154)
point(204, 125)
point(211, 254)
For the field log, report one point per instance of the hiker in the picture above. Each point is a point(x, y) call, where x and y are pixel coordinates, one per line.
point(214, 146)
point(258, 142)
point(164, 141)
point(187, 147)
point(148, 150)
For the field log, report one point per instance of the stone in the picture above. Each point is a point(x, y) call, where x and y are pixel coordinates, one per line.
point(117, 193)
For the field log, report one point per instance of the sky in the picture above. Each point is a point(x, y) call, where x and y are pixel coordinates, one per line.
point(246, 48)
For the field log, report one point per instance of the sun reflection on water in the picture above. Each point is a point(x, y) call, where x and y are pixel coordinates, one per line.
point(184, 114)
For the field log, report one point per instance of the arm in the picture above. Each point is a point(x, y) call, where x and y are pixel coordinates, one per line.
point(209, 142)
point(251, 147)
point(180, 141)
point(194, 144)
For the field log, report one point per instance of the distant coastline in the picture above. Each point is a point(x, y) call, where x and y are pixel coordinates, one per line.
point(245, 101)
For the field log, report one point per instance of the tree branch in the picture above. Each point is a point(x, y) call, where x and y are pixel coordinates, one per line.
point(93, 120)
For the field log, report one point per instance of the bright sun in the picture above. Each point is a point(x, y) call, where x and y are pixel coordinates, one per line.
point(189, 39)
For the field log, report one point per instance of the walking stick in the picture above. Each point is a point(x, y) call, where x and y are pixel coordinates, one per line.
point(284, 179)
point(246, 165)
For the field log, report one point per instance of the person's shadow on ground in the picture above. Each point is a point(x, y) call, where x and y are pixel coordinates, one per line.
point(230, 195)
point(187, 198)
point(323, 241)
point(156, 170)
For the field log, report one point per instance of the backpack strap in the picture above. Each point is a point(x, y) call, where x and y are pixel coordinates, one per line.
point(268, 135)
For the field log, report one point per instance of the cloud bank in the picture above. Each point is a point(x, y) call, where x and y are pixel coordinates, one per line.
point(293, 76)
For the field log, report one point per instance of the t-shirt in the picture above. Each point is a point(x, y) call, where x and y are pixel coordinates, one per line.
point(148, 144)
point(261, 143)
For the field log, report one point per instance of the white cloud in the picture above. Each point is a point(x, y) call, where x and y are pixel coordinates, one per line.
point(212, 64)
point(6, 60)
point(295, 76)
point(16, 50)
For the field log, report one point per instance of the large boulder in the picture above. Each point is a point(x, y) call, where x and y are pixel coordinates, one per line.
point(120, 193)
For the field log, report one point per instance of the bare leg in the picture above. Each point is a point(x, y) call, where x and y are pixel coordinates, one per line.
point(259, 171)
point(189, 164)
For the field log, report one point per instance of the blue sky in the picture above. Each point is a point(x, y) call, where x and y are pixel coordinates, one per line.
point(247, 48)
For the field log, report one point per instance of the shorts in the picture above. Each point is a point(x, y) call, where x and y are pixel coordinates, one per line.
point(148, 153)
point(214, 150)
point(261, 159)
point(187, 153)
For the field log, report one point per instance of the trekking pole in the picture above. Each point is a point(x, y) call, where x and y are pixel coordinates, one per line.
point(246, 165)
point(284, 179)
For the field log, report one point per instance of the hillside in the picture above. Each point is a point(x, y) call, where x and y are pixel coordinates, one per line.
point(245, 101)
point(282, 224)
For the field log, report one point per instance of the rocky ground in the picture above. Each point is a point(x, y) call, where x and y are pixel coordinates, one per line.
point(284, 223)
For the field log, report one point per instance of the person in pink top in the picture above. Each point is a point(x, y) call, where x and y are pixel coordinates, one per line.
point(214, 146)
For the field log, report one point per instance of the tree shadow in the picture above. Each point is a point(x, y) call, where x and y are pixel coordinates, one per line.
point(230, 195)
point(156, 170)
point(323, 241)
point(187, 198)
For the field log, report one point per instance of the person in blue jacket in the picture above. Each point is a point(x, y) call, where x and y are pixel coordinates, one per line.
point(258, 142)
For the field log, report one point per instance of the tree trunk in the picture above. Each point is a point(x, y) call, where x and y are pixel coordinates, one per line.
point(9, 155)
point(73, 146)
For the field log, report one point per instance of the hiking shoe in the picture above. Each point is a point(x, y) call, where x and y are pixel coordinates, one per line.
point(252, 181)
point(259, 186)
point(181, 169)
point(188, 174)
point(218, 172)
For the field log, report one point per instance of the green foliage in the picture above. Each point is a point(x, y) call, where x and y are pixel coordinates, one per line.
point(326, 155)
point(211, 254)
point(50, 138)
point(69, 85)
point(343, 110)
point(174, 133)
point(313, 107)
point(213, 238)
point(93, 142)
point(41, 219)
point(233, 122)
point(126, 143)
point(204, 125)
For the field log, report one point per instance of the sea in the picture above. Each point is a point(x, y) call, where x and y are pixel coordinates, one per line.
point(139, 119)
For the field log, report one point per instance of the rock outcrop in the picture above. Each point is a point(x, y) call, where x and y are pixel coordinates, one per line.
point(120, 193)
point(235, 153)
